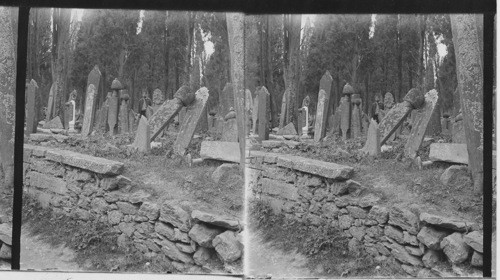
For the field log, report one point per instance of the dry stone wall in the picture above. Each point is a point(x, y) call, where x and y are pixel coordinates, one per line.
point(321, 193)
point(88, 188)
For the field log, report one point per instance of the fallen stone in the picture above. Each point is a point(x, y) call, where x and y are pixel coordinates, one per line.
point(217, 220)
point(91, 163)
point(455, 248)
point(446, 222)
point(6, 234)
point(475, 240)
point(271, 144)
point(477, 259)
point(204, 234)
point(114, 183)
point(455, 174)
point(402, 217)
point(431, 237)
point(55, 123)
point(316, 167)
point(41, 137)
point(228, 246)
point(288, 129)
point(222, 171)
point(431, 258)
point(218, 150)
point(449, 152)
point(175, 215)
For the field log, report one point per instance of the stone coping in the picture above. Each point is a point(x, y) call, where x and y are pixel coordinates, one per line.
point(307, 165)
point(87, 162)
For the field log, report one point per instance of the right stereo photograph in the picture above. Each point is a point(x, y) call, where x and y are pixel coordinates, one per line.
point(365, 149)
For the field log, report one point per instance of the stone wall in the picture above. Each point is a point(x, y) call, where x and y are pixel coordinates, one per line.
point(88, 188)
point(321, 193)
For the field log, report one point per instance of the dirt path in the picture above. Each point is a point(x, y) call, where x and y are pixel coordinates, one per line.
point(38, 255)
point(264, 259)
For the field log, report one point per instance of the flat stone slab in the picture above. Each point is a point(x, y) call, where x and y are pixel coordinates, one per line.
point(91, 163)
point(449, 152)
point(218, 220)
point(220, 150)
point(446, 222)
point(270, 144)
point(317, 167)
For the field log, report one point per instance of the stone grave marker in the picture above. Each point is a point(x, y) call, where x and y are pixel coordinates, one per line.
point(255, 114)
point(230, 130)
point(320, 123)
point(157, 99)
point(226, 99)
point(449, 152)
point(131, 120)
point(190, 122)
point(54, 123)
point(50, 103)
point(69, 109)
point(263, 114)
point(203, 123)
point(103, 115)
point(457, 130)
point(142, 138)
point(344, 118)
point(394, 117)
point(124, 122)
point(113, 113)
point(283, 109)
point(418, 130)
point(32, 107)
point(166, 113)
point(289, 129)
point(94, 79)
point(372, 144)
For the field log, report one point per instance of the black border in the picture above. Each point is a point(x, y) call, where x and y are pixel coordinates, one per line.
point(486, 7)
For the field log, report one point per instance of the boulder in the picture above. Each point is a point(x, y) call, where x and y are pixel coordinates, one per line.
point(217, 220)
point(204, 234)
point(455, 248)
point(222, 171)
point(475, 240)
point(456, 174)
point(446, 222)
point(449, 152)
point(402, 217)
point(431, 237)
point(173, 214)
point(431, 258)
point(477, 259)
point(228, 246)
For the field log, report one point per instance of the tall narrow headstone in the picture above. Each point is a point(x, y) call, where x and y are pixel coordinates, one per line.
point(92, 94)
point(31, 116)
point(255, 114)
point(372, 144)
point(356, 122)
point(142, 137)
point(123, 117)
point(283, 109)
point(263, 114)
point(190, 122)
point(203, 123)
point(103, 114)
point(325, 85)
point(418, 130)
point(113, 113)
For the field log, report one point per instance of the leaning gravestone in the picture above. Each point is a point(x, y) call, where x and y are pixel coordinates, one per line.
point(325, 85)
point(142, 137)
point(283, 109)
point(55, 123)
point(91, 96)
point(166, 113)
point(420, 126)
point(263, 114)
point(372, 144)
point(31, 114)
point(190, 122)
point(289, 129)
point(397, 114)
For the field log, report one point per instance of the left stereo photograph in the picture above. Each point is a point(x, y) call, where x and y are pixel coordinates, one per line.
point(131, 155)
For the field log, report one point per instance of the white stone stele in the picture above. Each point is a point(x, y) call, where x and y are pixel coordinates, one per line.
point(72, 122)
point(305, 129)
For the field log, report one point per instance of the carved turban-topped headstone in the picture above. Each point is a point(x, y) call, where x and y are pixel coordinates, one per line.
point(32, 107)
point(190, 122)
point(263, 114)
point(92, 93)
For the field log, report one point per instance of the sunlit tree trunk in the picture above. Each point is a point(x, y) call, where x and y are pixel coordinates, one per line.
point(292, 25)
point(60, 57)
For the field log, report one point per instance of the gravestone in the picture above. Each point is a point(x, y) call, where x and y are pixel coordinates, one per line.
point(123, 118)
point(103, 114)
point(226, 99)
point(92, 93)
point(356, 122)
point(190, 122)
point(418, 130)
point(212, 123)
point(55, 123)
point(166, 113)
point(248, 100)
point(372, 144)
point(365, 123)
point(302, 117)
point(69, 110)
point(344, 118)
point(203, 123)
point(182, 114)
point(289, 129)
point(394, 117)
point(320, 123)
point(50, 103)
point(263, 114)
point(32, 107)
point(157, 99)
point(230, 130)
point(457, 130)
point(255, 114)
point(142, 137)
point(283, 109)
point(132, 120)
point(113, 113)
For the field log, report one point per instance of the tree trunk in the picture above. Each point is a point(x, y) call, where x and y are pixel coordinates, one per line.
point(466, 40)
point(399, 95)
point(62, 21)
point(166, 56)
point(189, 35)
point(7, 97)
point(422, 26)
point(236, 35)
point(292, 62)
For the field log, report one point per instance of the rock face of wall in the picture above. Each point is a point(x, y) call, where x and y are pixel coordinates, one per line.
point(88, 188)
point(418, 240)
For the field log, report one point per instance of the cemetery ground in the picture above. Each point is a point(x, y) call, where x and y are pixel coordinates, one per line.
point(390, 176)
point(159, 173)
